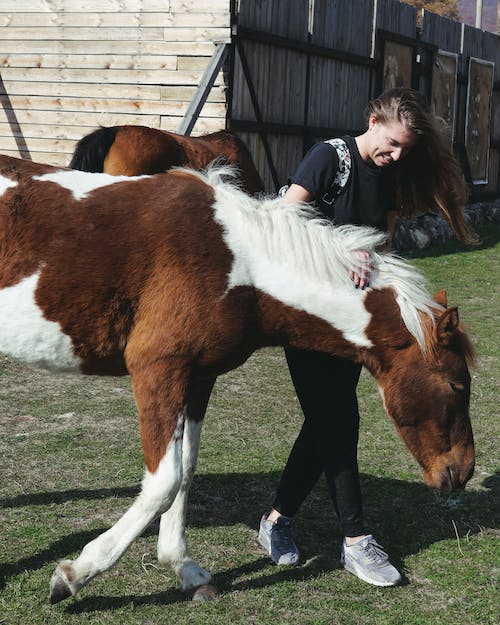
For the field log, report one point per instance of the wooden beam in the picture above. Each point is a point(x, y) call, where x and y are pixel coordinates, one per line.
point(206, 83)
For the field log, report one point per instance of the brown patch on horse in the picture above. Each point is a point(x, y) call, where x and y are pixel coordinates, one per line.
point(23, 216)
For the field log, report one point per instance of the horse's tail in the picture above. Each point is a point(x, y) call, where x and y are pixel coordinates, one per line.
point(92, 149)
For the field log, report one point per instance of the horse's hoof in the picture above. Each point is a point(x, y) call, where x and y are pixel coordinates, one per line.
point(59, 589)
point(207, 592)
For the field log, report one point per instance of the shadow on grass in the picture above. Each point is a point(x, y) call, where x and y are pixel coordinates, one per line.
point(405, 516)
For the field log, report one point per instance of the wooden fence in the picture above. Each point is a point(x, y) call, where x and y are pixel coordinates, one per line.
point(304, 70)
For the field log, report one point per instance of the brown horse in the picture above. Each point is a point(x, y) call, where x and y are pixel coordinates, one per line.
point(178, 278)
point(136, 150)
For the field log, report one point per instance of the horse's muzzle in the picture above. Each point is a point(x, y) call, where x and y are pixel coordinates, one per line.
point(450, 477)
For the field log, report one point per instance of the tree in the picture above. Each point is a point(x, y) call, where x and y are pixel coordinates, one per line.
point(446, 8)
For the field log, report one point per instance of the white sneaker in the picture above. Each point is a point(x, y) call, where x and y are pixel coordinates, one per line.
point(367, 560)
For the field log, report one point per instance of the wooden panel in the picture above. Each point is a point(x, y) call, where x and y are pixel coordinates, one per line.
point(331, 101)
point(444, 88)
point(287, 18)
point(83, 90)
point(442, 32)
point(491, 52)
point(86, 6)
point(131, 48)
point(116, 34)
point(202, 126)
point(111, 105)
point(279, 79)
point(52, 157)
point(115, 76)
point(344, 26)
point(398, 65)
point(472, 46)
point(477, 131)
point(28, 131)
point(47, 118)
point(396, 17)
point(114, 20)
point(495, 116)
point(96, 61)
point(494, 168)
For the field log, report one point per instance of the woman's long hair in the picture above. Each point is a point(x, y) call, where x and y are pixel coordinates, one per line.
point(429, 178)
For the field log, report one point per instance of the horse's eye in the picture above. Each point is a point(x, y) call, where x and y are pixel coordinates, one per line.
point(457, 387)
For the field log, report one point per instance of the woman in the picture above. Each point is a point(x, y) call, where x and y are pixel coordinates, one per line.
point(401, 163)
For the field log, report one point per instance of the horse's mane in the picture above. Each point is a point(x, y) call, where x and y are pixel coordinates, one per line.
point(312, 246)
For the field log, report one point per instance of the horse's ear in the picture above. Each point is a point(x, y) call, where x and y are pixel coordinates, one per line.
point(441, 298)
point(446, 325)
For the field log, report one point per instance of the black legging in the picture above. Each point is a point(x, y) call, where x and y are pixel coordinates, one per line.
point(327, 443)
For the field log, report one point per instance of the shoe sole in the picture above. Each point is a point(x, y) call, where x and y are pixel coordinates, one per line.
point(366, 579)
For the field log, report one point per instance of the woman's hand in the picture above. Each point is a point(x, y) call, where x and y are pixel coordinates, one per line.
point(361, 277)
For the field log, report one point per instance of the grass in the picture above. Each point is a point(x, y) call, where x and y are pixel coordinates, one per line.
point(70, 462)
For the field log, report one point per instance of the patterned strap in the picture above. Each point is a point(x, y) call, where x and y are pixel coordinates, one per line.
point(342, 175)
point(343, 170)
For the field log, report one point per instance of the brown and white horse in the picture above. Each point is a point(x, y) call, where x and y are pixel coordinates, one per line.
point(178, 278)
point(136, 150)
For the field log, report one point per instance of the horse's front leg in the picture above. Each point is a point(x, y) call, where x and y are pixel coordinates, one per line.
point(172, 544)
point(160, 391)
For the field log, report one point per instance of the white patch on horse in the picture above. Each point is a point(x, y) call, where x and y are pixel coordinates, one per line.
point(6, 183)
point(172, 544)
point(81, 183)
point(26, 335)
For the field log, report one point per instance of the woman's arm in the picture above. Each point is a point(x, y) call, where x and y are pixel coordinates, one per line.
point(296, 193)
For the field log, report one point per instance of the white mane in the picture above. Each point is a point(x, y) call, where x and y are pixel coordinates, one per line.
point(294, 234)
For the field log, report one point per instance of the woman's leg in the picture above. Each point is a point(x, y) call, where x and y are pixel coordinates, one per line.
point(326, 388)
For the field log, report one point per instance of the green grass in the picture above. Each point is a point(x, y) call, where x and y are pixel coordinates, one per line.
point(71, 464)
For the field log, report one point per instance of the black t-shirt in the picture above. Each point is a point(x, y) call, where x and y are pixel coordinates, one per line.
point(364, 200)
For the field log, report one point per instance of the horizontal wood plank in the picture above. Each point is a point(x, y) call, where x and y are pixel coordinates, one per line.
point(85, 6)
point(113, 20)
point(182, 93)
point(110, 76)
point(93, 61)
point(60, 118)
point(157, 33)
point(132, 48)
point(111, 105)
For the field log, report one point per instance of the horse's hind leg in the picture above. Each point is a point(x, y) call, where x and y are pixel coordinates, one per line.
point(172, 544)
point(161, 391)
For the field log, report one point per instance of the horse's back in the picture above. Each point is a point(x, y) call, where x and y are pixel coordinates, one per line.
point(136, 150)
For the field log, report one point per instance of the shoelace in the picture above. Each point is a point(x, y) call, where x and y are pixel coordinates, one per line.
point(284, 536)
point(374, 553)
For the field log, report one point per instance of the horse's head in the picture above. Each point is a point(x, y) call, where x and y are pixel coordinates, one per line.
point(427, 394)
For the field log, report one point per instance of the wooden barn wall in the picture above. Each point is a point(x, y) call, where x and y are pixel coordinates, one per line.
point(68, 66)
point(301, 93)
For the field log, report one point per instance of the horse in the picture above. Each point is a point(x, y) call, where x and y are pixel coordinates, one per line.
point(178, 278)
point(136, 150)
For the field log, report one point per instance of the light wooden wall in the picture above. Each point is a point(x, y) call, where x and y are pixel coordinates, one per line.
point(68, 66)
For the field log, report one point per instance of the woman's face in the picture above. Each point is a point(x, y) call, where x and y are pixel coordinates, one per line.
point(388, 142)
